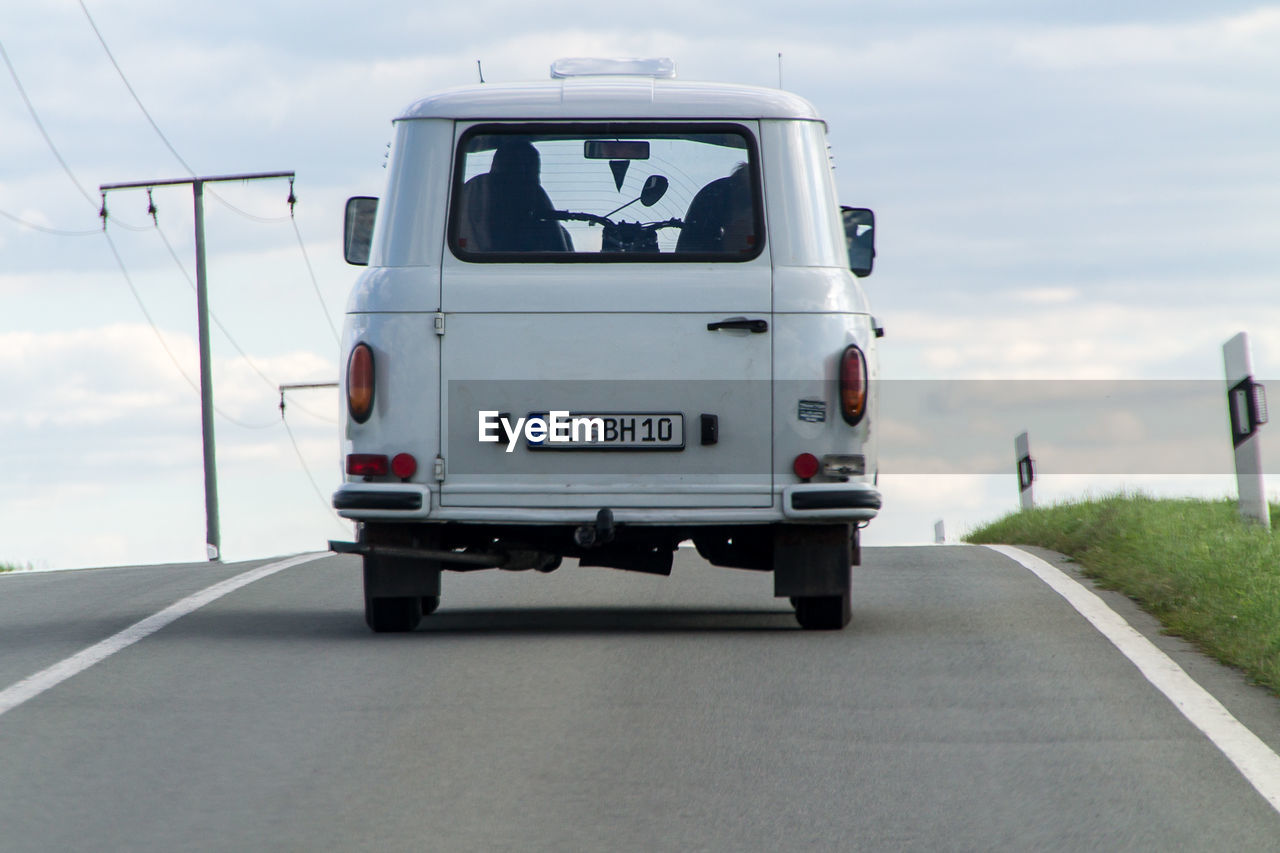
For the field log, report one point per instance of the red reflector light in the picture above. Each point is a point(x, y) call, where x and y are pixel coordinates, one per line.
point(360, 383)
point(403, 465)
point(853, 385)
point(806, 466)
point(366, 464)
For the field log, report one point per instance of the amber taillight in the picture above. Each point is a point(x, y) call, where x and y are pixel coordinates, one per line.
point(853, 385)
point(360, 383)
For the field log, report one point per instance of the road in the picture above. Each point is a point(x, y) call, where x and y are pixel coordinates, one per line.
point(967, 707)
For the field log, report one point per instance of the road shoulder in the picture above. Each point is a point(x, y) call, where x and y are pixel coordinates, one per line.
point(1254, 706)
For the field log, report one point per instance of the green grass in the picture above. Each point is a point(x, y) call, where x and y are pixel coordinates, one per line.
point(1208, 576)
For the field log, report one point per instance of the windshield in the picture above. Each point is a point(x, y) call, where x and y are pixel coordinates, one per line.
point(615, 193)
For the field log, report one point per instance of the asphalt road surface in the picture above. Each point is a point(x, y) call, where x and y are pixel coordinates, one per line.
point(967, 707)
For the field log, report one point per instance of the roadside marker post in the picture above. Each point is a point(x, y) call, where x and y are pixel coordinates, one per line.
point(939, 533)
point(1026, 470)
point(1247, 409)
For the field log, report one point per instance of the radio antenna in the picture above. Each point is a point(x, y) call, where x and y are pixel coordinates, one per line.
point(779, 69)
point(481, 70)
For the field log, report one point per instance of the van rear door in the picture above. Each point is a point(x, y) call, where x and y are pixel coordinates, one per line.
point(619, 273)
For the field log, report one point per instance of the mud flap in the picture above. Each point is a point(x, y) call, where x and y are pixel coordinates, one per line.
point(397, 577)
point(812, 559)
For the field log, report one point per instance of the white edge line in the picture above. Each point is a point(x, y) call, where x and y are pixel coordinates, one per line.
point(1256, 761)
point(32, 686)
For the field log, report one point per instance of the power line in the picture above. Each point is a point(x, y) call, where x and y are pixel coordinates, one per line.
point(227, 333)
point(134, 94)
point(128, 279)
point(315, 284)
point(53, 148)
point(102, 212)
point(35, 117)
point(124, 271)
point(265, 220)
point(57, 231)
point(323, 418)
point(174, 151)
point(306, 470)
point(48, 140)
point(306, 386)
point(181, 268)
point(154, 125)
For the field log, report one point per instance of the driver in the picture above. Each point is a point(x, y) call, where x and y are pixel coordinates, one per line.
point(506, 209)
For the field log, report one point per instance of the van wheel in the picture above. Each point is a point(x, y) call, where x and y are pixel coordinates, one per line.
point(392, 615)
point(429, 604)
point(824, 612)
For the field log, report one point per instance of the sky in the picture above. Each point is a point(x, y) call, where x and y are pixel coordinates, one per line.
point(1067, 194)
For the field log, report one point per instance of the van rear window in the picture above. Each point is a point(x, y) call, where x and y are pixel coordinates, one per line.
point(613, 192)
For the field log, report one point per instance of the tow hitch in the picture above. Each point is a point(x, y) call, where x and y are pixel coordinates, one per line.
point(598, 533)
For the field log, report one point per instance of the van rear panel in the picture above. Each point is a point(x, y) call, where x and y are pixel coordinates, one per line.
point(656, 453)
point(708, 356)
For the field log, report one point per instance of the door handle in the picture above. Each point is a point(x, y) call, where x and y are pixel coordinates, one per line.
point(753, 326)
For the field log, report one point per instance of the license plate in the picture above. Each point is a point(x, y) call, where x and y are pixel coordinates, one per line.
point(613, 431)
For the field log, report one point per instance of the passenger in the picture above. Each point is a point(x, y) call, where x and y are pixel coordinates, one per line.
point(506, 209)
point(721, 217)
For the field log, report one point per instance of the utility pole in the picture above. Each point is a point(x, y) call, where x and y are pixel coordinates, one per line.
point(213, 535)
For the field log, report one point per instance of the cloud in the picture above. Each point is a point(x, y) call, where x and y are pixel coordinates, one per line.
point(119, 379)
point(1046, 295)
point(1000, 337)
point(108, 433)
point(1249, 40)
point(1075, 191)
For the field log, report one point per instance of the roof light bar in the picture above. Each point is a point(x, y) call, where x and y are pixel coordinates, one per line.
point(660, 67)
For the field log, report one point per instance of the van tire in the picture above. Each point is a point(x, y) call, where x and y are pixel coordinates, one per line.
point(824, 612)
point(429, 604)
point(392, 615)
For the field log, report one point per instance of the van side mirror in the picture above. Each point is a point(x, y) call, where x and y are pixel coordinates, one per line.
point(357, 231)
point(859, 239)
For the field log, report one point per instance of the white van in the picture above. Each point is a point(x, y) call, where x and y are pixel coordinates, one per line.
point(605, 314)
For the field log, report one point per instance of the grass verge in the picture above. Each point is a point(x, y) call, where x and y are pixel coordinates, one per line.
point(1208, 576)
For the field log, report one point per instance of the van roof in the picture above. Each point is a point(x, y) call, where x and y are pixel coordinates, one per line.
point(612, 97)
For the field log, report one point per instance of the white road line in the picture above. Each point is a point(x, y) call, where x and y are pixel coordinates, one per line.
point(32, 686)
point(1253, 758)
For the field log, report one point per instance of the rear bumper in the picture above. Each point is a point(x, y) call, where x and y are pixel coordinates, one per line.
point(359, 501)
point(834, 501)
point(851, 502)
